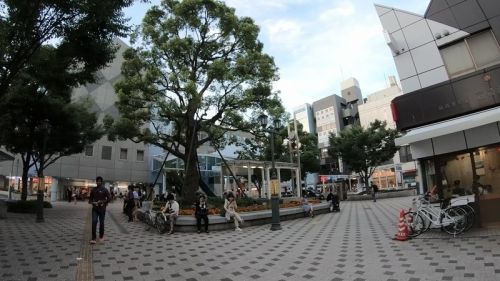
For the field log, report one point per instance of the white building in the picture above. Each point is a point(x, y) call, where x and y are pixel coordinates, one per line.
point(448, 61)
point(399, 171)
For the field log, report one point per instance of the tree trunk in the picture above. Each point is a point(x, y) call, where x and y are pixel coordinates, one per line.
point(191, 177)
point(24, 189)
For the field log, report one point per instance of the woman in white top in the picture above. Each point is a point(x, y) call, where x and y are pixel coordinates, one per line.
point(172, 211)
point(231, 208)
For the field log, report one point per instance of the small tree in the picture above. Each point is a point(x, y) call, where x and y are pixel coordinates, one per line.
point(38, 119)
point(364, 149)
point(200, 68)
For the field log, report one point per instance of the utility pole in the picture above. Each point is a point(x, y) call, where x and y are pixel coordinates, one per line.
point(299, 176)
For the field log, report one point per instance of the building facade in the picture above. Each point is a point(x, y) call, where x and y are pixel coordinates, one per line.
point(399, 172)
point(333, 114)
point(119, 163)
point(448, 61)
point(304, 115)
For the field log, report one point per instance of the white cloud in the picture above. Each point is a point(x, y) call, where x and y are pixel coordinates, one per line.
point(342, 9)
point(283, 31)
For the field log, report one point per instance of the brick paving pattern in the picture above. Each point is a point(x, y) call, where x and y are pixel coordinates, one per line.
point(354, 244)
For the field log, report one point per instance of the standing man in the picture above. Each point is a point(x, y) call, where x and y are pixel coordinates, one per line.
point(99, 198)
point(374, 191)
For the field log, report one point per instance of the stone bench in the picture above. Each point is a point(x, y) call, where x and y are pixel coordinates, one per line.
point(216, 222)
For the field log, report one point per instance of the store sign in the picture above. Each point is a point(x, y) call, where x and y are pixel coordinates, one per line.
point(48, 180)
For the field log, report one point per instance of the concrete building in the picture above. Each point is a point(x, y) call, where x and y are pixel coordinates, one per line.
point(448, 61)
point(304, 115)
point(401, 170)
point(119, 163)
point(333, 114)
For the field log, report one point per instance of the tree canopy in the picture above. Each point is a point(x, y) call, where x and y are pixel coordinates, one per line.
point(364, 149)
point(81, 30)
point(259, 148)
point(38, 119)
point(196, 67)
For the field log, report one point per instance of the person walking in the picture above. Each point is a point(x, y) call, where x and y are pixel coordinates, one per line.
point(172, 211)
point(99, 198)
point(374, 191)
point(231, 207)
point(130, 203)
point(201, 212)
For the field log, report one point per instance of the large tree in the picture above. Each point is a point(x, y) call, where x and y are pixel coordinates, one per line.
point(82, 29)
point(364, 149)
point(198, 68)
point(39, 121)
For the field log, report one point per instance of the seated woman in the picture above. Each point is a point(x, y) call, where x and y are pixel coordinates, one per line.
point(231, 211)
point(307, 207)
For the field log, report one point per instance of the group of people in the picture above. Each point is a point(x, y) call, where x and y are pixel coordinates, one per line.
point(171, 209)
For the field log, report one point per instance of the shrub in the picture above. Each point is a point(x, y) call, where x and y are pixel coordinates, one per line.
point(28, 206)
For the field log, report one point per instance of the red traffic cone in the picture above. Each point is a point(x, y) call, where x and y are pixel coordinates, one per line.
point(402, 234)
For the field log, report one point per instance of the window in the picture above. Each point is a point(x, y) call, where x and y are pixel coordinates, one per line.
point(405, 154)
point(106, 152)
point(123, 153)
point(476, 52)
point(89, 150)
point(140, 155)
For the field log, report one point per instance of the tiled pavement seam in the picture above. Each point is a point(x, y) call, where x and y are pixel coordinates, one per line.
point(85, 269)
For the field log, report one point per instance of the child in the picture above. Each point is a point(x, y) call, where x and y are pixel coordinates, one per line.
point(307, 207)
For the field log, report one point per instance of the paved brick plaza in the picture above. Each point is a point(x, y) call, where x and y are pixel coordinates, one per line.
point(352, 245)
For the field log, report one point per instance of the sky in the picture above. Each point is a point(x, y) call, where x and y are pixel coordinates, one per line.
point(318, 43)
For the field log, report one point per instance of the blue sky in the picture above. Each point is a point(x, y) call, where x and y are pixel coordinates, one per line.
point(318, 43)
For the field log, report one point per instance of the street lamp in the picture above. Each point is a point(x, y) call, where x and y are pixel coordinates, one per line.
point(45, 127)
point(274, 184)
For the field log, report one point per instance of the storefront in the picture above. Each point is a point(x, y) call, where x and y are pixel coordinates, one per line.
point(475, 171)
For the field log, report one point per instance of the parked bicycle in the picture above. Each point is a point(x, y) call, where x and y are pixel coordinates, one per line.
point(452, 219)
point(157, 220)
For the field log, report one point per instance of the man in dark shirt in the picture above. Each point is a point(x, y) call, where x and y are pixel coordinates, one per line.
point(99, 198)
point(201, 212)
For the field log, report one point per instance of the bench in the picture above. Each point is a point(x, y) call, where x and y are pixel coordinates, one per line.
point(216, 222)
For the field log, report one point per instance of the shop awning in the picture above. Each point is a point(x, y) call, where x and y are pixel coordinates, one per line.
point(450, 126)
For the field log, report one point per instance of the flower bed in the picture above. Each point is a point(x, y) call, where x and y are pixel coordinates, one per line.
point(251, 208)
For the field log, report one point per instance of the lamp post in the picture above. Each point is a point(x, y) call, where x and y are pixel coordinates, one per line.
point(45, 127)
point(274, 184)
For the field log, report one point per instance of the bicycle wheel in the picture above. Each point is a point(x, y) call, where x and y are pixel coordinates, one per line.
point(471, 216)
point(161, 223)
point(455, 220)
point(416, 224)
